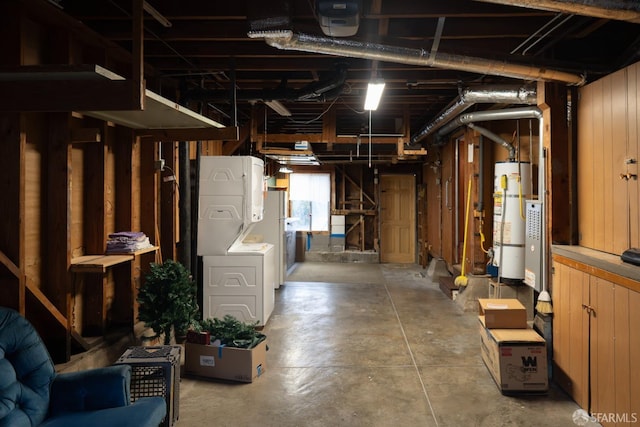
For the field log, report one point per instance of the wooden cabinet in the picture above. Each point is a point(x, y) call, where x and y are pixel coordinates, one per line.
point(596, 316)
point(607, 155)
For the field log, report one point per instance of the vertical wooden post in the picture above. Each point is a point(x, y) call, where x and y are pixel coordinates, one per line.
point(124, 150)
point(168, 198)
point(58, 224)
point(329, 128)
point(12, 183)
point(95, 198)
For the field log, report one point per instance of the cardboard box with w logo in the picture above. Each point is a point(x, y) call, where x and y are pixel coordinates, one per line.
point(516, 357)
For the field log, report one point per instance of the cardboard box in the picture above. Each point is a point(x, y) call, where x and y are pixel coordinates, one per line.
point(516, 359)
point(503, 313)
point(227, 363)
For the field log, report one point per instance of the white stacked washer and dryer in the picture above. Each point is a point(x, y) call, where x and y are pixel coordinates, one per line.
point(237, 278)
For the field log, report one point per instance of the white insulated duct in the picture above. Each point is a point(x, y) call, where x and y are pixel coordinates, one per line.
point(470, 96)
point(287, 40)
point(619, 10)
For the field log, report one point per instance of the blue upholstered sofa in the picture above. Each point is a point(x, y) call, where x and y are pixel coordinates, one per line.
point(32, 394)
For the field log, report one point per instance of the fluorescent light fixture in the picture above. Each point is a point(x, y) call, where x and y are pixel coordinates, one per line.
point(156, 15)
point(374, 93)
point(285, 169)
point(276, 106)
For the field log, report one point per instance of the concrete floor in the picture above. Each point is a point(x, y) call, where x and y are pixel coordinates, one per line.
point(368, 345)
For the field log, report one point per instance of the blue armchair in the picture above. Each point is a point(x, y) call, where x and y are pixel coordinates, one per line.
point(32, 394)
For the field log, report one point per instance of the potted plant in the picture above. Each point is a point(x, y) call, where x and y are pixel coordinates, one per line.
point(167, 300)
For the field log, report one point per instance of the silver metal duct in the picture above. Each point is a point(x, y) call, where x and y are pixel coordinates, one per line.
point(495, 138)
point(470, 96)
point(490, 115)
point(287, 40)
point(619, 10)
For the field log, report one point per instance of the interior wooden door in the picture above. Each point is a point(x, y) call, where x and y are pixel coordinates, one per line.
point(397, 219)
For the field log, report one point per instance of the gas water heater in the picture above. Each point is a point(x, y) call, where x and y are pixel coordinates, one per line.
point(512, 184)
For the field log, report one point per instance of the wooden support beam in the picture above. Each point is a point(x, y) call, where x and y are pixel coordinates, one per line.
point(420, 152)
point(288, 138)
point(4, 260)
point(46, 303)
point(285, 152)
point(359, 186)
point(367, 212)
point(57, 315)
point(329, 127)
point(58, 222)
point(390, 140)
point(195, 134)
point(230, 147)
point(83, 135)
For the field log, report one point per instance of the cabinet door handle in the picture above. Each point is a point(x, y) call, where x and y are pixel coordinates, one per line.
point(590, 310)
point(627, 176)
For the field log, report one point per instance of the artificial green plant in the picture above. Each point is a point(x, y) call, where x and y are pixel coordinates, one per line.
point(168, 300)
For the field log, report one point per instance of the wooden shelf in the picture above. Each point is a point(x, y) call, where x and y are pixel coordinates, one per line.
point(100, 263)
point(136, 253)
point(94, 91)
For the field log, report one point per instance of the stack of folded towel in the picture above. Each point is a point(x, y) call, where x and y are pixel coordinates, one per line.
point(127, 241)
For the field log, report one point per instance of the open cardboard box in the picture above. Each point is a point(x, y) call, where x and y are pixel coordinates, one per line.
point(227, 363)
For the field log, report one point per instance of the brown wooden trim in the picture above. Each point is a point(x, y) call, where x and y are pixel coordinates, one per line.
point(598, 272)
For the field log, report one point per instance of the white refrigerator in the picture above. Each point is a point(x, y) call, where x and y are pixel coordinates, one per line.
point(238, 278)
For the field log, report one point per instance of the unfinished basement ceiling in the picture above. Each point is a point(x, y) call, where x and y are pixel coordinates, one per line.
point(207, 47)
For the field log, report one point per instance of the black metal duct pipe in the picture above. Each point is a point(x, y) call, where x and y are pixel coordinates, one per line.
point(619, 10)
